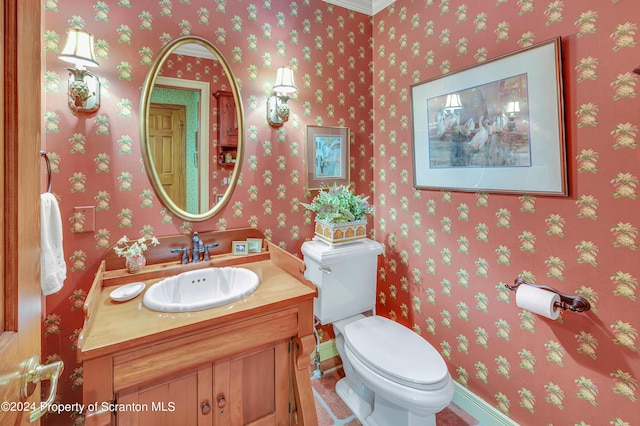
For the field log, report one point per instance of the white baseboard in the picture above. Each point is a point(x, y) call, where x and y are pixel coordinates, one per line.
point(482, 411)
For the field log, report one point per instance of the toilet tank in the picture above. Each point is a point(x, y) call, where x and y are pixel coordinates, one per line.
point(345, 276)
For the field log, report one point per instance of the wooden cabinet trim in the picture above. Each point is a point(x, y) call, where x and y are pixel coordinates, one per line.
point(90, 307)
point(161, 254)
point(148, 364)
point(98, 386)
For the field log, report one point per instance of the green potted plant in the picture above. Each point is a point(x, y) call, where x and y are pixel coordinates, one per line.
point(341, 215)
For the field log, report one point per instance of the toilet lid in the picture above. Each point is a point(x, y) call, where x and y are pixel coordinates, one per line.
point(396, 352)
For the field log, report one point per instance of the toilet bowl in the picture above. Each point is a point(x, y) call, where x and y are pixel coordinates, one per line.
point(393, 377)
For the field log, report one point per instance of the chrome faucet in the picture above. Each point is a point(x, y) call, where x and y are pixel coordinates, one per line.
point(197, 248)
point(199, 251)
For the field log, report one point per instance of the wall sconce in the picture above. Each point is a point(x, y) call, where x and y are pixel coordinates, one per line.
point(83, 86)
point(512, 108)
point(277, 108)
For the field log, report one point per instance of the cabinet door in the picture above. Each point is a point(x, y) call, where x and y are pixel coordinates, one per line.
point(180, 400)
point(227, 120)
point(259, 386)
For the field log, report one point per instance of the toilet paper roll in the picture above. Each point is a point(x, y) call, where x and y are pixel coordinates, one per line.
point(538, 301)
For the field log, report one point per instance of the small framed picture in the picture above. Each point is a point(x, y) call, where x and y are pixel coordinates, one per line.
point(240, 248)
point(255, 245)
point(327, 156)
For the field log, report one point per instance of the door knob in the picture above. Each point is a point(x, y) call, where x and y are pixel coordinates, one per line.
point(35, 372)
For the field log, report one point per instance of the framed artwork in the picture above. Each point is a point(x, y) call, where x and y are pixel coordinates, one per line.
point(240, 248)
point(493, 127)
point(254, 245)
point(327, 156)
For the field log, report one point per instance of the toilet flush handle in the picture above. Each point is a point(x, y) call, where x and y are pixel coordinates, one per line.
point(325, 270)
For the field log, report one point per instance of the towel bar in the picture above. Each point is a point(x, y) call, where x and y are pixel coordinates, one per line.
point(48, 163)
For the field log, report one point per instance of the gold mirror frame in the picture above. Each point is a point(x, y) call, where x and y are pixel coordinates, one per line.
point(145, 104)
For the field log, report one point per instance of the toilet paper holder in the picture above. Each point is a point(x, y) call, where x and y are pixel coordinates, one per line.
point(567, 301)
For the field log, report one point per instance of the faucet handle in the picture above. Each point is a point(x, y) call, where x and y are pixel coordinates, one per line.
point(184, 251)
point(207, 256)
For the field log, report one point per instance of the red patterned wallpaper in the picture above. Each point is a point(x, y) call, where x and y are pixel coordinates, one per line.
point(96, 160)
point(448, 254)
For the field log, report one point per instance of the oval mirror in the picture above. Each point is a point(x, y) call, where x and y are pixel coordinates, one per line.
point(191, 128)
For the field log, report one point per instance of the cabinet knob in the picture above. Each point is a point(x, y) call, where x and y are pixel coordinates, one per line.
point(206, 408)
point(221, 401)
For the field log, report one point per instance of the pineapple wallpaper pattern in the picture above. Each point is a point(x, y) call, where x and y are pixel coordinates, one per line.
point(96, 159)
point(447, 254)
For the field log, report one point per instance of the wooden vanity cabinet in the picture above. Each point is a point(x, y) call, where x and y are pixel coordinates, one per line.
point(247, 389)
point(235, 374)
point(242, 364)
point(173, 400)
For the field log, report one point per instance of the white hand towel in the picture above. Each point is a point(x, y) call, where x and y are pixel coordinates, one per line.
point(53, 269)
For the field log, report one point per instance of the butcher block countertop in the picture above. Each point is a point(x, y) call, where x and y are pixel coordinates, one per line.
point(119, 326)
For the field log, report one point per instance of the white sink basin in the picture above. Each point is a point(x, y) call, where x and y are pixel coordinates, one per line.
point(201, 289)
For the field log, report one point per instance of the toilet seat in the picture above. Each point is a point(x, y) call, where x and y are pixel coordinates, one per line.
point(396, 353)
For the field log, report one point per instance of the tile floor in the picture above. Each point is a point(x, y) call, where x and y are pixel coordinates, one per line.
point(332, 411)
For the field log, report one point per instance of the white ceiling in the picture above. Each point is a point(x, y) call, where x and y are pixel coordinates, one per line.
point(369, 7)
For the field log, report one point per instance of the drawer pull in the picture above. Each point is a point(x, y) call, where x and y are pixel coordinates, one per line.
point(221, 401)
point(206, 408)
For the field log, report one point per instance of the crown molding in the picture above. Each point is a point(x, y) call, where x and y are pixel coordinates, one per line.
point(368, 7)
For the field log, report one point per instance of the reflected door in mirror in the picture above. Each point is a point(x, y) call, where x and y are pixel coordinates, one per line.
point(166, 130)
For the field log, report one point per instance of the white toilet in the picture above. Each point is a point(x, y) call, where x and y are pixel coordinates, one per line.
point(392, 375)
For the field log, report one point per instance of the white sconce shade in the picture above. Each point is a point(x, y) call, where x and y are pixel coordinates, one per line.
point(79, 49)
point(83, 86)
point(277, 108)
point(284, 81)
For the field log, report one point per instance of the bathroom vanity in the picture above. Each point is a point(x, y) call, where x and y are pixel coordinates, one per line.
point(242, 363)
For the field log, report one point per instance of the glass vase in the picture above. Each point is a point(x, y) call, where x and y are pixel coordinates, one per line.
point(135, 263)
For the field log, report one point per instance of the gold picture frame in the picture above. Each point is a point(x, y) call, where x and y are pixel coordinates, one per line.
point(327, 159)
